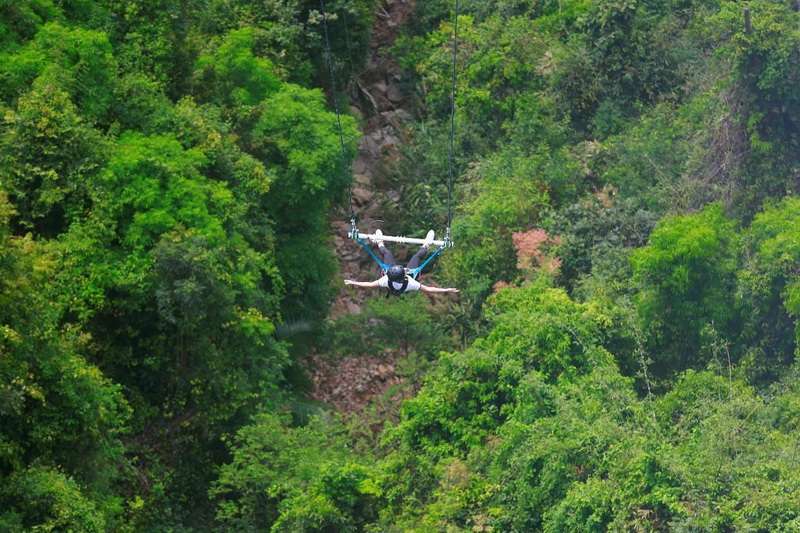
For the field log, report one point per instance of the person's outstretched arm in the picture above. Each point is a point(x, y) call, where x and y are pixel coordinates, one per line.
point(367, 284)
point(429, 289)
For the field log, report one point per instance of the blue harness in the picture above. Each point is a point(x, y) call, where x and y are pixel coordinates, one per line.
point(414, 272)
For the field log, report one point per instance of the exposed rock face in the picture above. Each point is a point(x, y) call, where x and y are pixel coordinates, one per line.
point(377, 99)
point(358, 380)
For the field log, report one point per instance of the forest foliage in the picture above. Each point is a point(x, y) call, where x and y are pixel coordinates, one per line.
point(623, 354)
point(154, 159)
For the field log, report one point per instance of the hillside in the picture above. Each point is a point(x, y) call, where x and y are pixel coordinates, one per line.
point(178, 351)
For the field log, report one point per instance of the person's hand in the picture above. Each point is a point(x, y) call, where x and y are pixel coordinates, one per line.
point(453, 290)
point(348, 282)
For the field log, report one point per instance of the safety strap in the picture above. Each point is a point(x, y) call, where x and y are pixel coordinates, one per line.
point(414, 272)
point(368, 248)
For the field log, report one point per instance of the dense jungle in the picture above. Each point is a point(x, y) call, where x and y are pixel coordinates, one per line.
point(179, 353)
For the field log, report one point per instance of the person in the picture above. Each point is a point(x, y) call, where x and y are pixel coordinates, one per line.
point(396, 279)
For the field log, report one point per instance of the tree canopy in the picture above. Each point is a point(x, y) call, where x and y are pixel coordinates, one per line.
point(623, 354)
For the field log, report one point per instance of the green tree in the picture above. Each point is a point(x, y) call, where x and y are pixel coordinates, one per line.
point(19, 21)
point(79, 61)
point(404, 325)
point(686, 276)
point(233, 75)
point(286, 478)
point(537, 337)
point(299, 142)
point(61, 419)
point(770, 289)
point(49, 155)
point(181, 309)
point(46, 499)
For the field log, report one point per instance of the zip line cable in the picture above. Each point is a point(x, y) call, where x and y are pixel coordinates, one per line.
point(347, 44)
point(332, 76)
point(451, 155)
point(352, 73)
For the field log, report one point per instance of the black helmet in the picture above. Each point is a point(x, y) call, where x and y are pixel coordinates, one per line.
point(396, 273)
